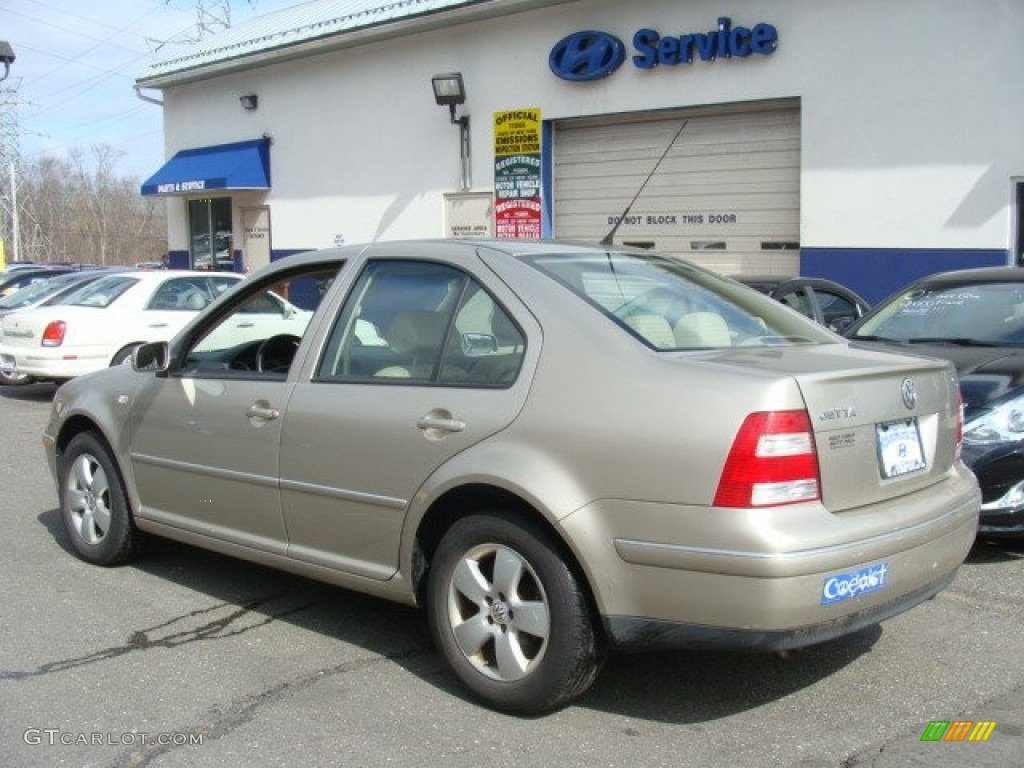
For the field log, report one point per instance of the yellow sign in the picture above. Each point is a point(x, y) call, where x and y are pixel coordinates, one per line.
point(517, 132)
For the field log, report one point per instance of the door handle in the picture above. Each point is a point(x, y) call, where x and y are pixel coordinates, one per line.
point(262, 413)
point(428, 423)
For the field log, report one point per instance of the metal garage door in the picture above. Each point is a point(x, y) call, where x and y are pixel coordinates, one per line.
point(726, 194)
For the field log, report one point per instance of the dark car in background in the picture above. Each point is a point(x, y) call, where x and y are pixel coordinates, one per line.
point(12, 280)
point(826, 302)
point(975, 319)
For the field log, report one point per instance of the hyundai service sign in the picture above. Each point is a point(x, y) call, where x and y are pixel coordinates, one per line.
point(590, 55)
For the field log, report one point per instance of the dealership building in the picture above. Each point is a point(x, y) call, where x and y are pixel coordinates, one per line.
point(868, 142)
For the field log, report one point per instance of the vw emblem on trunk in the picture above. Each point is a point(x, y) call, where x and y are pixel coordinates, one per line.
point(586, 55)
point(909, 391)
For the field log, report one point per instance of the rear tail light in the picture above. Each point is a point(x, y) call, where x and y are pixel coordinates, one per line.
point(959, 425)
point(773, 461)
point(53, 336)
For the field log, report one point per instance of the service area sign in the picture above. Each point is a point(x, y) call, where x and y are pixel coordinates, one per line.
point(517, 158)
point(468, 214)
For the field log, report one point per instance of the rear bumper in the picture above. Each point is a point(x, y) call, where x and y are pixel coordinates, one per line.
point(630, 632)
point(55, 363)
point(673, 576)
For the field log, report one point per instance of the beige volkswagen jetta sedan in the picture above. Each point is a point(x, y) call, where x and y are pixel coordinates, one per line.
point(555, 449)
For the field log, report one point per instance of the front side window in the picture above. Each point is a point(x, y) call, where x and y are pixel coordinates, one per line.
point(189, 294)
point(799, 300)
point(422, 323)
point(669, 304)
point(261, 330)
point(837, 312)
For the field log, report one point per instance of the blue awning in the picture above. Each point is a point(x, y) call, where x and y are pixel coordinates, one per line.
point(243, 165)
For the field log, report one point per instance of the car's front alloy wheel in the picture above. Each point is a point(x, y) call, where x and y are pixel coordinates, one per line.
point(508, 614)
point(93, 503)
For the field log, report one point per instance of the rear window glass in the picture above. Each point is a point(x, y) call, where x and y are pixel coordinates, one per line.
point(670, 304)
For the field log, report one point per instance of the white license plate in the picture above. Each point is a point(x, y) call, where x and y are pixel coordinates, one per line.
point(899, 447)
point(8, 364)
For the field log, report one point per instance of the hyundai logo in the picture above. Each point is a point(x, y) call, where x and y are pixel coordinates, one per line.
point(909, 392)
point(586, 55)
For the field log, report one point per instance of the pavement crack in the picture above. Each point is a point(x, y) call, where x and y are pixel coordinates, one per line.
point(221, 722)
point(223, 620)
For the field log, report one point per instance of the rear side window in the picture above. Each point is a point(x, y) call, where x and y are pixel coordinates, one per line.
point(422, 323)
point(103, 292)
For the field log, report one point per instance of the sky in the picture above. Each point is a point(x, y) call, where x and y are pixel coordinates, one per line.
point(76, 64)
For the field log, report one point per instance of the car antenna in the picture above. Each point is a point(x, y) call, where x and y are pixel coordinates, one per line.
point(606, 241)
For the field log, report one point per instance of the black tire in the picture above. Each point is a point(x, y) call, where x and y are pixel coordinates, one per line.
point(15, 379)
point(93, 503)
point(124, 354)
point(525, 641)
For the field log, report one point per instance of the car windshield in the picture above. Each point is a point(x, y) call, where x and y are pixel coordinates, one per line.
point(670, 304)
point(986, 314)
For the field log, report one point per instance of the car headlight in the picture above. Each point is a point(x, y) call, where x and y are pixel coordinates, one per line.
point(1002, 424)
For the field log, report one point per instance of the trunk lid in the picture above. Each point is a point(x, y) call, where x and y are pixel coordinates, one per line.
point(884, 424)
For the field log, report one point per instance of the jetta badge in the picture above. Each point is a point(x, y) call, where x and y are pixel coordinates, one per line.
point(909, 391)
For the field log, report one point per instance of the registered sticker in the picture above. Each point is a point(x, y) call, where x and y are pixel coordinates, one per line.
point(845, 586)
point(899, 447)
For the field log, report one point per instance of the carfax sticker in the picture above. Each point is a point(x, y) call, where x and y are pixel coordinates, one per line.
point(845, 586)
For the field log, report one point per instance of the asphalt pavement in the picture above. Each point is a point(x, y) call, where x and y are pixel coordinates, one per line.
point(186, 658)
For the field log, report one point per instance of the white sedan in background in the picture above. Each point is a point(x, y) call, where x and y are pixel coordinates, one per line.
point(102, 323)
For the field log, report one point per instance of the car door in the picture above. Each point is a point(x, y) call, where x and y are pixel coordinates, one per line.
point(374, 421)
point(206, 436)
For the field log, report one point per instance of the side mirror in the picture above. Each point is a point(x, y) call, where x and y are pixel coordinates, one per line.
point(154, 356)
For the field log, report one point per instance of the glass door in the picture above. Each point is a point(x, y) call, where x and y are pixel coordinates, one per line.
point(210, 234)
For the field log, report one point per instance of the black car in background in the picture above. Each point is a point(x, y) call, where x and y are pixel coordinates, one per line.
point(975, 319)
point(15, 279)
point(826, 302)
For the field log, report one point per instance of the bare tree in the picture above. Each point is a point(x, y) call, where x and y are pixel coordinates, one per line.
point(80, 210)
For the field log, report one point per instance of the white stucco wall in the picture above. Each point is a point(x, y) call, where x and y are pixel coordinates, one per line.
point(911, 116)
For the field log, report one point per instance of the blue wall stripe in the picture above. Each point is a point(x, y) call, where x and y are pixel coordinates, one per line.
point(546, 175)
point(875, 273)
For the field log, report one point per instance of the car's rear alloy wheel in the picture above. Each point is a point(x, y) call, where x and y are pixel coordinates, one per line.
point(93, 503)
point(509, 615)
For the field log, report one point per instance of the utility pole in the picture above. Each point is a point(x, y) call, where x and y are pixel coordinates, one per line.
point(211, 16)
point(10, 165)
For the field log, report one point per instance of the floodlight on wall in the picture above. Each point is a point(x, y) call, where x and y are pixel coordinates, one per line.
point(450, 91)
point(6, 57)
point(250, 101)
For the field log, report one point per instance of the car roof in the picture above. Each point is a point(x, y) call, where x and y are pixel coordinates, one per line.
point(970, 276)
point(510, 247)
point(158, 275)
